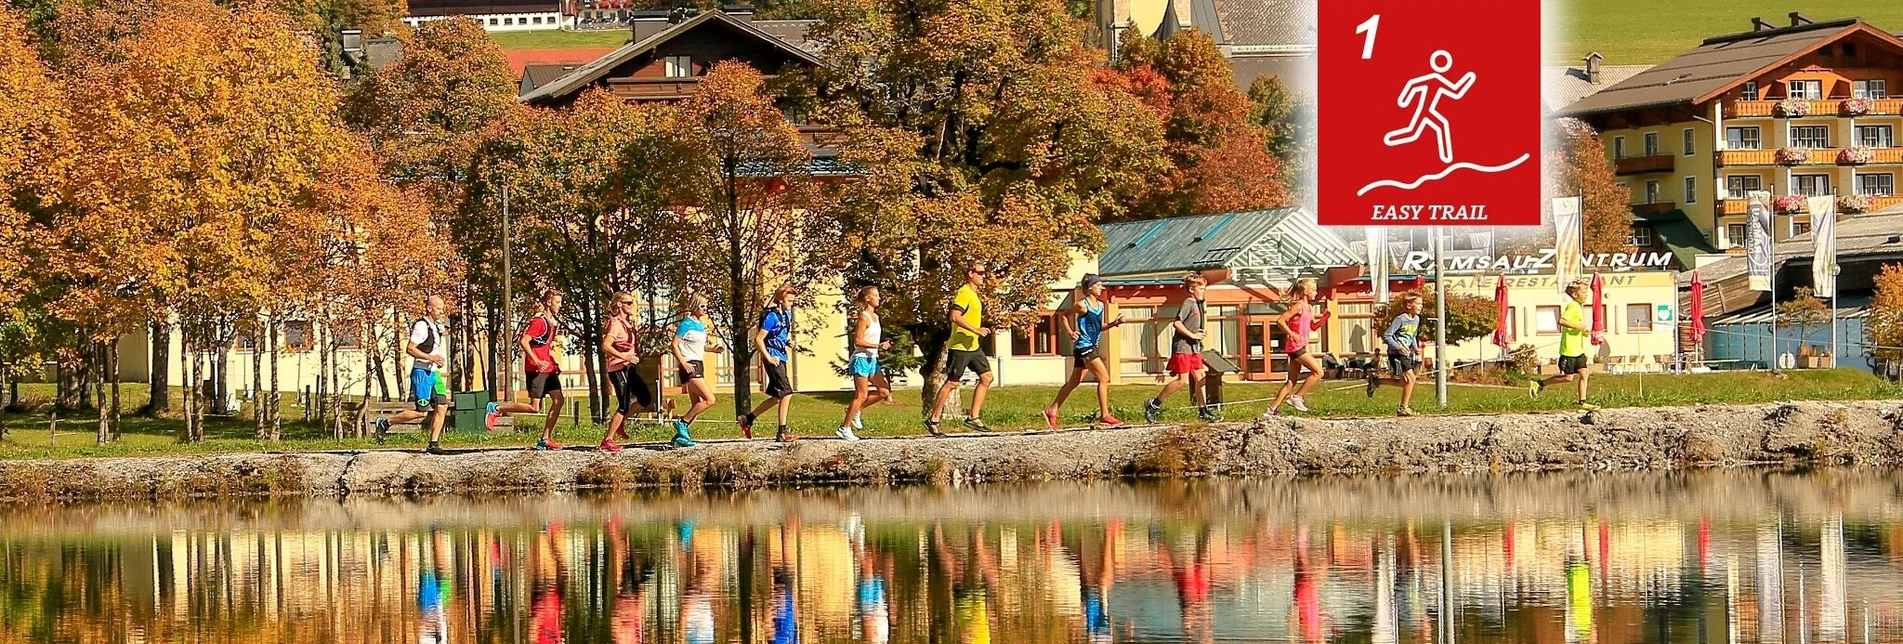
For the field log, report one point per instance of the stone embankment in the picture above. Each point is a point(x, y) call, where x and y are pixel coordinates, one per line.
point(1860, 432)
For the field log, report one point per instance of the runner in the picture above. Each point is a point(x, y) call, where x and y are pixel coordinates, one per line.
point(964, 354)
point(429, 353)
point(544, 375)
point(1403, 338)
point(1085, 322)
point(1573, 333)
point(1186, 354)
point(866, 343)
point(1297, 323)
point(773, 340)
point(617, 343)
point(690, 348)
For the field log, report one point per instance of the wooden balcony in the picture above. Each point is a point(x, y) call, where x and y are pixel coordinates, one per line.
point(1818, 156)
point(1880, 203)
point(1641, 165)
point(1654, 208)
point(1748, 157)
point(1827, 108)
point(649, 89)
point(1739, 206)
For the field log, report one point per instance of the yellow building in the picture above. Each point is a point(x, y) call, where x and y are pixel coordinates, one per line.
point(1797, 110)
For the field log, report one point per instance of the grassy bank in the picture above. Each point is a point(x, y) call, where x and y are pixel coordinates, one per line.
point(555, 39)
point(1006, 408)
point(1636, 32)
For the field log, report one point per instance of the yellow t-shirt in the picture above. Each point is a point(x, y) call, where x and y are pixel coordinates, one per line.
point(972, 311)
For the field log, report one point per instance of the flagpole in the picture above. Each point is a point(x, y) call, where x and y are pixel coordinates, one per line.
point(1835, 269)
point(1440, 325)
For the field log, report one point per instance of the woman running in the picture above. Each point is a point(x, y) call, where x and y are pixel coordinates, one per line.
point(866, 343)
point(1297, 323)
point(1085, 322)
point(690, 347)
point(617, 343)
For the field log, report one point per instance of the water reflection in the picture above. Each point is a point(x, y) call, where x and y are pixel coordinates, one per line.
point(1719, 557)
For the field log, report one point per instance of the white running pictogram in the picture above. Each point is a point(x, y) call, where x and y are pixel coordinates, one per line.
point(1427, 110)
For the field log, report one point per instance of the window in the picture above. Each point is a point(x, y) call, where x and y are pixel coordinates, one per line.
point(1750, 90)
point(1734, 235)
point(1651, 144)
point(1038, 340)
point(345, 337)
point(297, 335)
point(537, 20)
point(1736, 186)
point(1618, 147)
point(1145, 340)
point(1850, 49)
point(1546, 320)
point(1638, 318)
point(1874, 136)
point(1871, 89)
point(1876, 185)
point(680, 66)
point(1357, 325)
point(1812, 185)
point(1742, 138)
point(1799, 227)
point(1651, 192)
point(1808, 89)
point(508, 21)
point(1690, 143)
point(1810, 136)
point(1691, 189)
point(1641, 236)
point(243, 342)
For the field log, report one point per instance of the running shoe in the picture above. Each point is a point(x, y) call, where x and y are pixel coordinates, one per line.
point(681, 438)
point(1404, 411)
point(1534, 387)
point(1271, 413)
point(1299, 404)
point(546, 444)
point(1109, 422)
point(1050, 419)
point(746, 426)
point(1207, 415)
point(1374, 382)
point(845, 434)
point(1586, 406)
point(1151, 408)
point(490, 419)
point(435, 448)
point(609, 446)
point(976, 425)
point(858, 421)
point(383, 429)
point(785, 437)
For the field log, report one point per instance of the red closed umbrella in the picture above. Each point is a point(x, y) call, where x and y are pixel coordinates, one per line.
point(1598, 310)
point(1502, 319)
point(1419, 282)
point(1698, 309)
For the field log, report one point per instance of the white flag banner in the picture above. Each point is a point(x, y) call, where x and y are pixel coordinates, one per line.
point(1566, 239)
point(1378, 262)
point(1400, 249)
point(1758, 240)
point(1823, 230)
point(1480, 241)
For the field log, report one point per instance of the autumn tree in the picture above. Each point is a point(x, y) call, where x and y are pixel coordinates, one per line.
point(1883, 328)
point(1803, 311)
point(1288, 120)
point(1576, 165)
point(1468, 316)
point(30, 160)
point(1001, 148)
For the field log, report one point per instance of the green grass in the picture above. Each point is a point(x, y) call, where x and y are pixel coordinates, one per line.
point(1007, 408)
point(556, 39)
point(1644, 32)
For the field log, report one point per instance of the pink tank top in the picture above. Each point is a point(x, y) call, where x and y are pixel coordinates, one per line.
point(1302, 325)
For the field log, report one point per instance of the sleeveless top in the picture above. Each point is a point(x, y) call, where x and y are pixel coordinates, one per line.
point(693, 337)
point(1089, 325)
point(1302, 326)
point(622, 339)
point(872, 335)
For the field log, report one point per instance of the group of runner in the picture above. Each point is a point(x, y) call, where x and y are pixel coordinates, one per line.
point(1084, 318)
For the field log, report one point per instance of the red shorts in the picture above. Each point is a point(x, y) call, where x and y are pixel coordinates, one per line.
point(1182, 363)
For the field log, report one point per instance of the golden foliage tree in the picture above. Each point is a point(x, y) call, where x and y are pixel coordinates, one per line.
point(1883, 328)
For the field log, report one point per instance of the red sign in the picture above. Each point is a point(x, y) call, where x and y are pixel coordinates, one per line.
point(1429, 113)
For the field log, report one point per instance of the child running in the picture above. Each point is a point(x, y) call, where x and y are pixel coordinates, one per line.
point(544, 375)
point(964, 354)
point(1085, 323)
point(617, 343)
point(1403, 338)
point(690, 349)
point(1573, 363)
point(773, 339)
point(1186, 354)
point(866, 343)
point(1297, 323)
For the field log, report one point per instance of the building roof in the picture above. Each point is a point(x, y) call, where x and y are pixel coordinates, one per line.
point(1289, 235)
point(1717, 65)
point(1563, 85)
point(538, 74)
point(1679, 235)
point(793, 32)
point(1248, 26)
point(436, 8)
point(521, 59)
point(1858, 236)
point(594, 71)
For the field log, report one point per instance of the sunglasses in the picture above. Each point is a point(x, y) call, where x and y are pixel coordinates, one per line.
point(626, 303)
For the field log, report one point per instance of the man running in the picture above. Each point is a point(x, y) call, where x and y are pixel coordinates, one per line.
point(773, 339)
point(617, 343)
point(1403, 338)
point(544, 375)
point(967, 318)
point(1573, 334)
point(1186, 354)
point(429, 353)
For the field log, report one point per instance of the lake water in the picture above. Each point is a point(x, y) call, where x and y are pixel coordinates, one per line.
point(1737, 556)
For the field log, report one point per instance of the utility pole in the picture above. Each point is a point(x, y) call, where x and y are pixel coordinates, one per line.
point(508, 300)
point(1440, 324)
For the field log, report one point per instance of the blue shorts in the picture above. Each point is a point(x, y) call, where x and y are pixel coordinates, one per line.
point(423, 389)
point(864, 366)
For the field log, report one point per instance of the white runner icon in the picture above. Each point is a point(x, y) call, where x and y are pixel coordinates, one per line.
point(1427, 116)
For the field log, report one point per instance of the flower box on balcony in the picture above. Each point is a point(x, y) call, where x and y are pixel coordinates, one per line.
point(1788, 204)
point(1854, 107)
point(1855, 156)
point(1792, 156)
point(1853, 204)
point(1793, 108)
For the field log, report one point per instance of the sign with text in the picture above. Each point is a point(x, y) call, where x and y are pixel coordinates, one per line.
point(1430, 113)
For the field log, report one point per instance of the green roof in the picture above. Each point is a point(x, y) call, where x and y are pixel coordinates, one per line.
point(1220, 241)
point(1679, 235)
